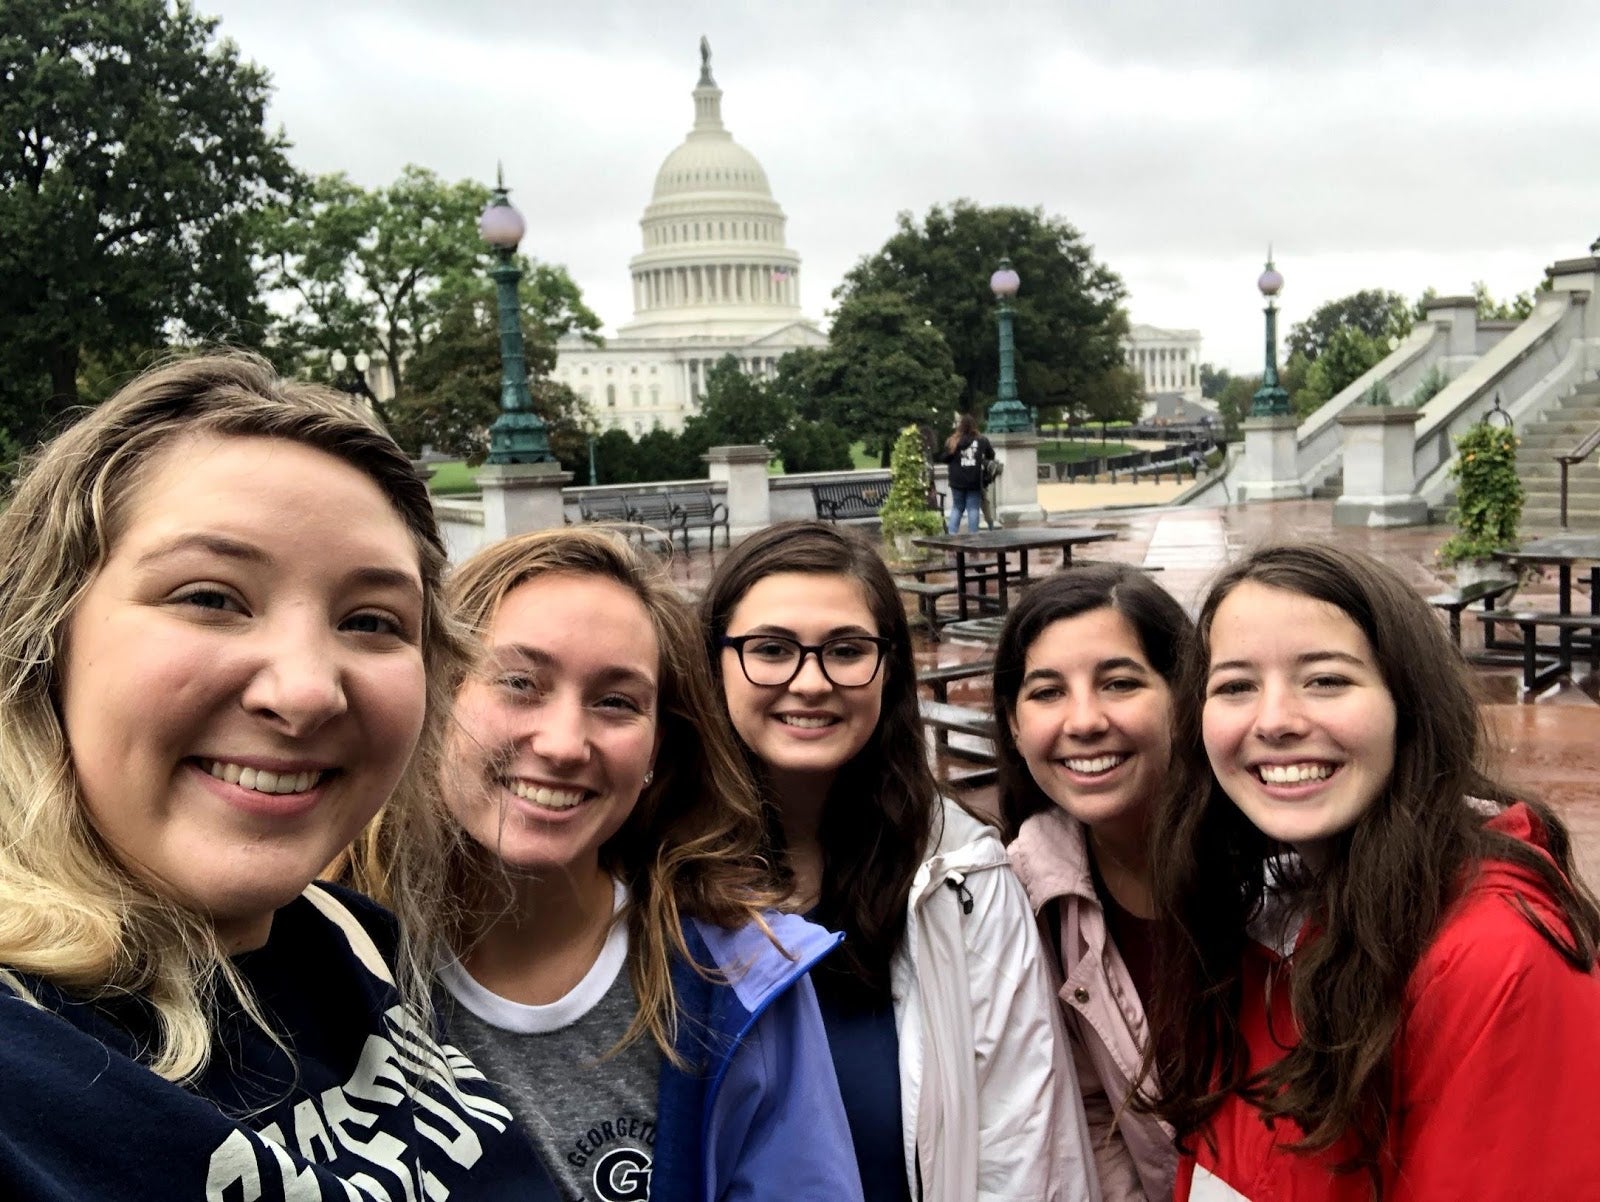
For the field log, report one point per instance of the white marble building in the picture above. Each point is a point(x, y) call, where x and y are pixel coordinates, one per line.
point(715, 277)
point(1168, 361)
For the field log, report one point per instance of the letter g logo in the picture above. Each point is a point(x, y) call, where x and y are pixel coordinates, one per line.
point(623, 1175)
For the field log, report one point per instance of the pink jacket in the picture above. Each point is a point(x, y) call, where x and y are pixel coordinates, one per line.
point(1133, 1152)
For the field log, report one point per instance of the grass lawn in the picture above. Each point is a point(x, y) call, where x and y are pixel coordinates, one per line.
point(1075, 452)
point(453, 477)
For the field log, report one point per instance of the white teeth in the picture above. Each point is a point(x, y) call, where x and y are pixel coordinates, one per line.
point(1293, 774)
point(260, 780)
point(550, 799)
point(804, 723)
point(1100, 763)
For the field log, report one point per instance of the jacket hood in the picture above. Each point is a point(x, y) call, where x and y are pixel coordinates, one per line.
point(966, 845)
point(1051, 857)
point(756, 969)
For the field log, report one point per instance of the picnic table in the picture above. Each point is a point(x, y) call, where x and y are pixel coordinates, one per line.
point(1543, 663)
point(1001, 544)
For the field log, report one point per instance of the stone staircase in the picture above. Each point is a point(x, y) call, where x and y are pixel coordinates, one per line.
point(1561, 429)
point(1330, 489)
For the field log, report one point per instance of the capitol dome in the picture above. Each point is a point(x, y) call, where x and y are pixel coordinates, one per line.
point(715, 261)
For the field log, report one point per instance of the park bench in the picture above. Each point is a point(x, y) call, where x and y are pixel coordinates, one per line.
point(944, 720)
point(1456, 600)
point(656, 510)
point(1544, 664)
point(1174, 467)
point(928, 594)
point(699, 510)
point(604, 509)
point(939, 679)
point(849, 501)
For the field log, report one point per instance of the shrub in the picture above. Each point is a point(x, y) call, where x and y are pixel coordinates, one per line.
point(906, 510)
point(1430, 386)
point(1488, 495)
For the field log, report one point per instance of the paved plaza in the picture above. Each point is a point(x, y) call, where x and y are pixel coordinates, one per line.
point(1549, 746)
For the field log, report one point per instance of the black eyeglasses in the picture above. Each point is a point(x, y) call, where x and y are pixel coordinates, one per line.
point(848, 662)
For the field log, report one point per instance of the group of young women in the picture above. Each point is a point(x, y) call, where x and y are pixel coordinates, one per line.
point(326, 873)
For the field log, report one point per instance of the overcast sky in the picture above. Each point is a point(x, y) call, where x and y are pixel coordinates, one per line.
point(1375, 143)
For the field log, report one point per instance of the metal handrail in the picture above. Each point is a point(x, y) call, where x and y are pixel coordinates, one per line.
point(1577, 455)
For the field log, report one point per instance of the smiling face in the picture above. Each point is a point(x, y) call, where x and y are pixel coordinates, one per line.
point(556, 733)
point(243, 681)
point(1298, 723)
point(808, 728)
point(1092, 719)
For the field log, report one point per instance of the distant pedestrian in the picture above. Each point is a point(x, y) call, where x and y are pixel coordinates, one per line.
point(1382, 979)
point(991, 476)
point(965, 453)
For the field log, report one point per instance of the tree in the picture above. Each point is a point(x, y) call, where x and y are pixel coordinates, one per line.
point(135, 150)
point(452, 392)
point(736, 411)
point(1213, 380)
point(890, 367)
point(381, 269)
point(1069, 323)
point(1349, 355)
point(1116, 396)
point(1517, 308)
point(1233, 403)
point(1378, 314)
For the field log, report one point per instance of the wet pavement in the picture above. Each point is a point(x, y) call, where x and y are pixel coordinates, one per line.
point(1547, 746)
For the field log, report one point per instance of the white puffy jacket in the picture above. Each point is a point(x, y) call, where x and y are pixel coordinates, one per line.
point(990, 1107)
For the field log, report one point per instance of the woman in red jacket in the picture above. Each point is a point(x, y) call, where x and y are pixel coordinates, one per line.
point(1380, 980)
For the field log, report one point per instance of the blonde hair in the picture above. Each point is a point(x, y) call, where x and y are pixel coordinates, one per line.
point(69, 911)
point(691, 846)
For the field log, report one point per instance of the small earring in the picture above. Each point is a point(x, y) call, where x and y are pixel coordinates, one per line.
point(649, 775)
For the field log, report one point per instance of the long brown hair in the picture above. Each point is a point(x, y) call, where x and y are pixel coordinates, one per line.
point(880, 814)
point(966, 427)
point(1158, 621)
point(1377, 902)
point(691, 848)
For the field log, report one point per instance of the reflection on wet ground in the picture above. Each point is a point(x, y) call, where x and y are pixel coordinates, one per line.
point(1548, 746)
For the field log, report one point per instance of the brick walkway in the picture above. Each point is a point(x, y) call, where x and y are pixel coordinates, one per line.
point(1549, 746)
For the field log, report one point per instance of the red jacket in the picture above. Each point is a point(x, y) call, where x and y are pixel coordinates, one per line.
point(1497, 1068)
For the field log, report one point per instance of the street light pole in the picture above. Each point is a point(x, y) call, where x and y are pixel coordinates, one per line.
point(1271, 399)
point(518, 435)
point(1009, 415)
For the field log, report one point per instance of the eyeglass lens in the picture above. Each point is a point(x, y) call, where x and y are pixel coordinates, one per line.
point(774, 660)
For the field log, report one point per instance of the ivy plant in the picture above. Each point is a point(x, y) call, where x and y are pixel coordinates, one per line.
point(1489, 496)
point(905, 510)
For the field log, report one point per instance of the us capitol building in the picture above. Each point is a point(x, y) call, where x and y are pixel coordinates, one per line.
point(715, 278)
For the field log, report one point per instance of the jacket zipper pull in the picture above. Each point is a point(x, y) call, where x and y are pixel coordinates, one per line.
point(959, 884)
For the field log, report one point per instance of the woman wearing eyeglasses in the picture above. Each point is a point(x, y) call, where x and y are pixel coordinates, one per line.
point(942, 1024)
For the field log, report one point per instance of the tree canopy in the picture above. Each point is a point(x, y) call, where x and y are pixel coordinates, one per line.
point(134, 153)
point(1069, 323)
point(388, 269)
point(1375, 312)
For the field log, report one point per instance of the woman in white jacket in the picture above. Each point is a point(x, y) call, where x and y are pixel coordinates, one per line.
point(941, 1016)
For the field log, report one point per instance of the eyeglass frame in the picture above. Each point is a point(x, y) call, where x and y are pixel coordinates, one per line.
point(737, 642)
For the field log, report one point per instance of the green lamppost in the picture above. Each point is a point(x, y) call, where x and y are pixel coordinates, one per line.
point(1009, 415)
point(1270, 400)
point(518, 434)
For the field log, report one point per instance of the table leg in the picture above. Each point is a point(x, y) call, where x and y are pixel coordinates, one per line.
point(961, 584)
point(1564, 572)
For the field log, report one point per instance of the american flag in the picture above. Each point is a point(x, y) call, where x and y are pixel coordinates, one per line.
point(780, 273)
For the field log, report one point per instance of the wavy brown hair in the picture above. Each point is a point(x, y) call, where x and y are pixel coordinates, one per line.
point(70, 912)
point(1378, 901)
point(691, 848)
point(882, 811)
point(1158, 621)
point(966, 427)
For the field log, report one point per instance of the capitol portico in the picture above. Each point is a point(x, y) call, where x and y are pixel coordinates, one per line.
point(715, 277)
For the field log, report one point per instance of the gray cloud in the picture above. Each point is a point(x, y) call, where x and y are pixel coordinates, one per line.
point(1377, 144)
